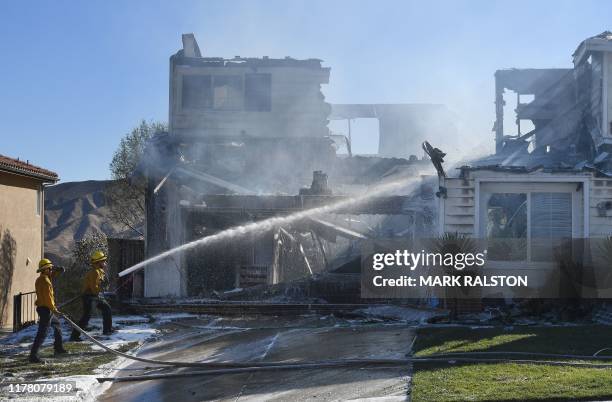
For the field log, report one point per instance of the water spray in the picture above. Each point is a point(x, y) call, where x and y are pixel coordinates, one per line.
point(270, 223)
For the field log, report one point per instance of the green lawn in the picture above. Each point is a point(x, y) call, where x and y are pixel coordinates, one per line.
point(510, 381)
point(81, 360)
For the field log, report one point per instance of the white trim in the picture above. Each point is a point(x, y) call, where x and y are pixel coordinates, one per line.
point(579, 216)
point(586, 188)
point(42, 220)
point(591, 45)
point(535, 179)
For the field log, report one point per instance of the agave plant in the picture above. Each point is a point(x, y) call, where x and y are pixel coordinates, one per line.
point(454, 244)
point(605, 249)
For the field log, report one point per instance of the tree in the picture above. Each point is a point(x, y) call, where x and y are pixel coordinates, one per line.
point(68, 288)
point(84, 248)
point(125, 195)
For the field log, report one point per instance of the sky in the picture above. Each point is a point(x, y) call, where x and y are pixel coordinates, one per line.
point(76, 76)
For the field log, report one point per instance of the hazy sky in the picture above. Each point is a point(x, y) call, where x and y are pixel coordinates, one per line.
point(75, 76)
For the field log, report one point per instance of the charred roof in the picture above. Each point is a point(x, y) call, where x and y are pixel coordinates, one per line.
point(191, 55)
point(597, 43)
point(249, 62)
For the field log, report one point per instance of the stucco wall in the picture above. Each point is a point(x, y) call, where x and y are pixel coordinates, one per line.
point(21, 239)
point(164, 231)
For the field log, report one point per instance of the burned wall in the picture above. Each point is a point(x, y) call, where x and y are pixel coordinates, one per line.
point(251, 97)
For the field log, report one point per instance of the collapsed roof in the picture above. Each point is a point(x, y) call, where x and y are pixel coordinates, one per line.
point(570, 111)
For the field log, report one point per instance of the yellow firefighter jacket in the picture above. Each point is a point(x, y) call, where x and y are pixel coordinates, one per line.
point(92, 280)
point(44, 292)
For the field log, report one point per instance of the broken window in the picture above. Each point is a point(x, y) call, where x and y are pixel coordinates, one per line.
point(506, 226)
point(228, 92)
point(258, 92)
point(197, 92)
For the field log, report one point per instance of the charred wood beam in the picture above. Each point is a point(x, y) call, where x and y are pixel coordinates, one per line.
point(300, 248)
point(339, 230)
point(214, 180)
point(316, 238)
point(285, 204)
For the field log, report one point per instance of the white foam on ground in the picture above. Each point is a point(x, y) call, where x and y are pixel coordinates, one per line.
point(138, 330)
point(399, 313)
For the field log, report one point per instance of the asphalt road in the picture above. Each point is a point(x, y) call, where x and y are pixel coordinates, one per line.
point(272, 339)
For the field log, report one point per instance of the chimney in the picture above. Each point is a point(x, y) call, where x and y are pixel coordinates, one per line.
point(190, 46)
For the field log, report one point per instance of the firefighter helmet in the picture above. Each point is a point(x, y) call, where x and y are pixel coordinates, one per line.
point(98, 256)
point(44, 264)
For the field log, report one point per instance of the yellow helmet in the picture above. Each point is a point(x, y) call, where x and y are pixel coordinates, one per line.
point(43, 264)
point(97, 256)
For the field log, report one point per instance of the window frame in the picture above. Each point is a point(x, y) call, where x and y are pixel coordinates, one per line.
point(580, 206)
point(241, 92)
point(245, 102)
point(248, 106)
point(183, 106)
point(39, 201)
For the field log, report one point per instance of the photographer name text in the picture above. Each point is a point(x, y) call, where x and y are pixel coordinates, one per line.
point(452, 281)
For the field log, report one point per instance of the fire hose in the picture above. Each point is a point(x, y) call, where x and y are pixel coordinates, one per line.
point(69, 301)
point(221, 365)
point(361, 363)
point(249, 367)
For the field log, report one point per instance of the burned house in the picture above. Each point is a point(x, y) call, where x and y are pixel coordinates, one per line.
point(569, 107)
point(548, 189)
point(248, 140)
point(402, 127)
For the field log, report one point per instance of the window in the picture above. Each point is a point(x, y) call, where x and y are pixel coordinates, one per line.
point(228, 92)
point(363, 133)
point(196, 92)
point(551, 223)
point(257, 92)
point(506, 226)
point(39, 201)
point(530, 222)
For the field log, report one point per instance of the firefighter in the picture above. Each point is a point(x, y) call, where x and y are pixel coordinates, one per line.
point(92, 285)
point(45, 307)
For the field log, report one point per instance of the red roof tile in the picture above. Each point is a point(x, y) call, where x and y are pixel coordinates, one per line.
point(25, 168)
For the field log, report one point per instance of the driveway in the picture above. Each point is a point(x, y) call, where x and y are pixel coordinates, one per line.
point(298, 339)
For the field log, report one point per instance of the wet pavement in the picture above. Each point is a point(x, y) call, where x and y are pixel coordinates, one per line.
point(267, 339)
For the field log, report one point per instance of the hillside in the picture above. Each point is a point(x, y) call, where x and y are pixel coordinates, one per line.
point(73, 210)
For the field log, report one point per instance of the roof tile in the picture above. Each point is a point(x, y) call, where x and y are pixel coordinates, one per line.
point(18, 166)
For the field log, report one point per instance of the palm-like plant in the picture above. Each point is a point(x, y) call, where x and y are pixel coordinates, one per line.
point(455, 244)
